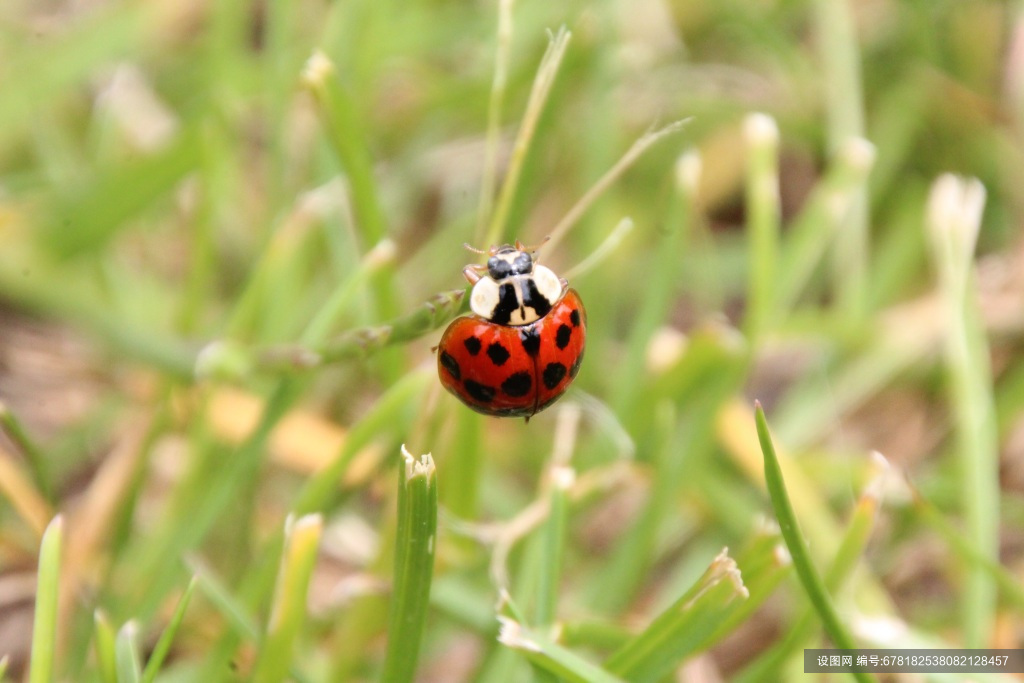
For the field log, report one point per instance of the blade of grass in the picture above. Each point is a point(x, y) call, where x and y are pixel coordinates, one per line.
point(844, 101)
point(44, 625)
point(1011, 588)
point(955, 207)
point(546, 73)
point(824, 212)
point(676, 633)
point(104, 642)
point(553, 548)
point(129, 670)
point(636, 150)
point(855, 539)
point(805, 569)
point(302, 538)
point(16, 432)
point(763, 220)
point(550, 657)
point(163, 645)
point(86, 217)
point(23, 497)
point(415, 544)
point(345, 131)
point(488, 179)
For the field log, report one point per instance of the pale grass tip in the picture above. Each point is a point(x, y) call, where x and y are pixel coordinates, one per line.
point(382, 254)
point(858, 153)
point(511, 634)
point(781, 554)
point(318, 67)
point(563, 477)
point(424, 467)
point(955, 205)
point(880, 629)
point(761, 130)
point(689, 167)
point(666, 347)
point(725, 567)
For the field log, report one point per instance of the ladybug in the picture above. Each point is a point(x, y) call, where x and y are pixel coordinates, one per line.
point(523, 344)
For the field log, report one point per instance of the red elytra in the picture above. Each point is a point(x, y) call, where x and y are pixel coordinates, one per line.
point(514, 370)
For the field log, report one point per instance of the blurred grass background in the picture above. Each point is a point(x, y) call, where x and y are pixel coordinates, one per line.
point(174, 174)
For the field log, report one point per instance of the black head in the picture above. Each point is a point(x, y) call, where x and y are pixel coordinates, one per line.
point(508, 261)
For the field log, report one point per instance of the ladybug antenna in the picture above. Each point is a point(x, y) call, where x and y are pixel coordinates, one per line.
point(532, 248)
point(473, 249)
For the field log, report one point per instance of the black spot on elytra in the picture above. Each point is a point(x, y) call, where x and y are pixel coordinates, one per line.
point(517, 384)
point(574, 317)
point(472, 345)
point(563, 336)
point(479, 392)
point(576, 366)
point(553, 374)
point(531, 340)
point(451, 365)
point(498, 353)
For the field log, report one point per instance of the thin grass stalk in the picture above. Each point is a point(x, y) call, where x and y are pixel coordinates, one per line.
point(5, 661)
point(676, 633)
point(44, 624)
point(415, 544)
point(664, 279)
point(542, 84)
point(288, 614)
point(16, 432)
point(824, 213)
point(341, 121)
point(17, 488)
point(235, 614)
point(954, 219)
point(105, 647)
point(129, 668)
point(321, 491)
point(553, 545)
point(636, 150)
point(551, 657)
point(844, 103)
point(805, 569)
point(163, 645)
point(855, 539)
point(488, 179)
point(763, 220)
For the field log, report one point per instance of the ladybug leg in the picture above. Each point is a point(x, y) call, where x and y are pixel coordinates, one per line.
point(473, 273)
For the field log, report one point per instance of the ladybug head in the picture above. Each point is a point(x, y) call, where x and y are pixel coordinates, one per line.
point(507, 261)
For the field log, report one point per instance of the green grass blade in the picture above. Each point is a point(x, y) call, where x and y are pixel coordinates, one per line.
point(302, 538)
point(542, 84)
point(488, 179)
point(679, 630)
point(550, 657)
point(763, 219)
point(553, 548)
point(163, 645)
point(854, 541)
point(129, 668)
point(87, 217)
point(415, 544)
point(16, 432)
point(224, 602)
point(955, 208)
point(44, 626)
point(805, 569)
point(104, 642)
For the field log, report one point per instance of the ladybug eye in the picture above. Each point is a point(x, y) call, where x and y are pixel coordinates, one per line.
point(498, 269)
point(523, 264)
